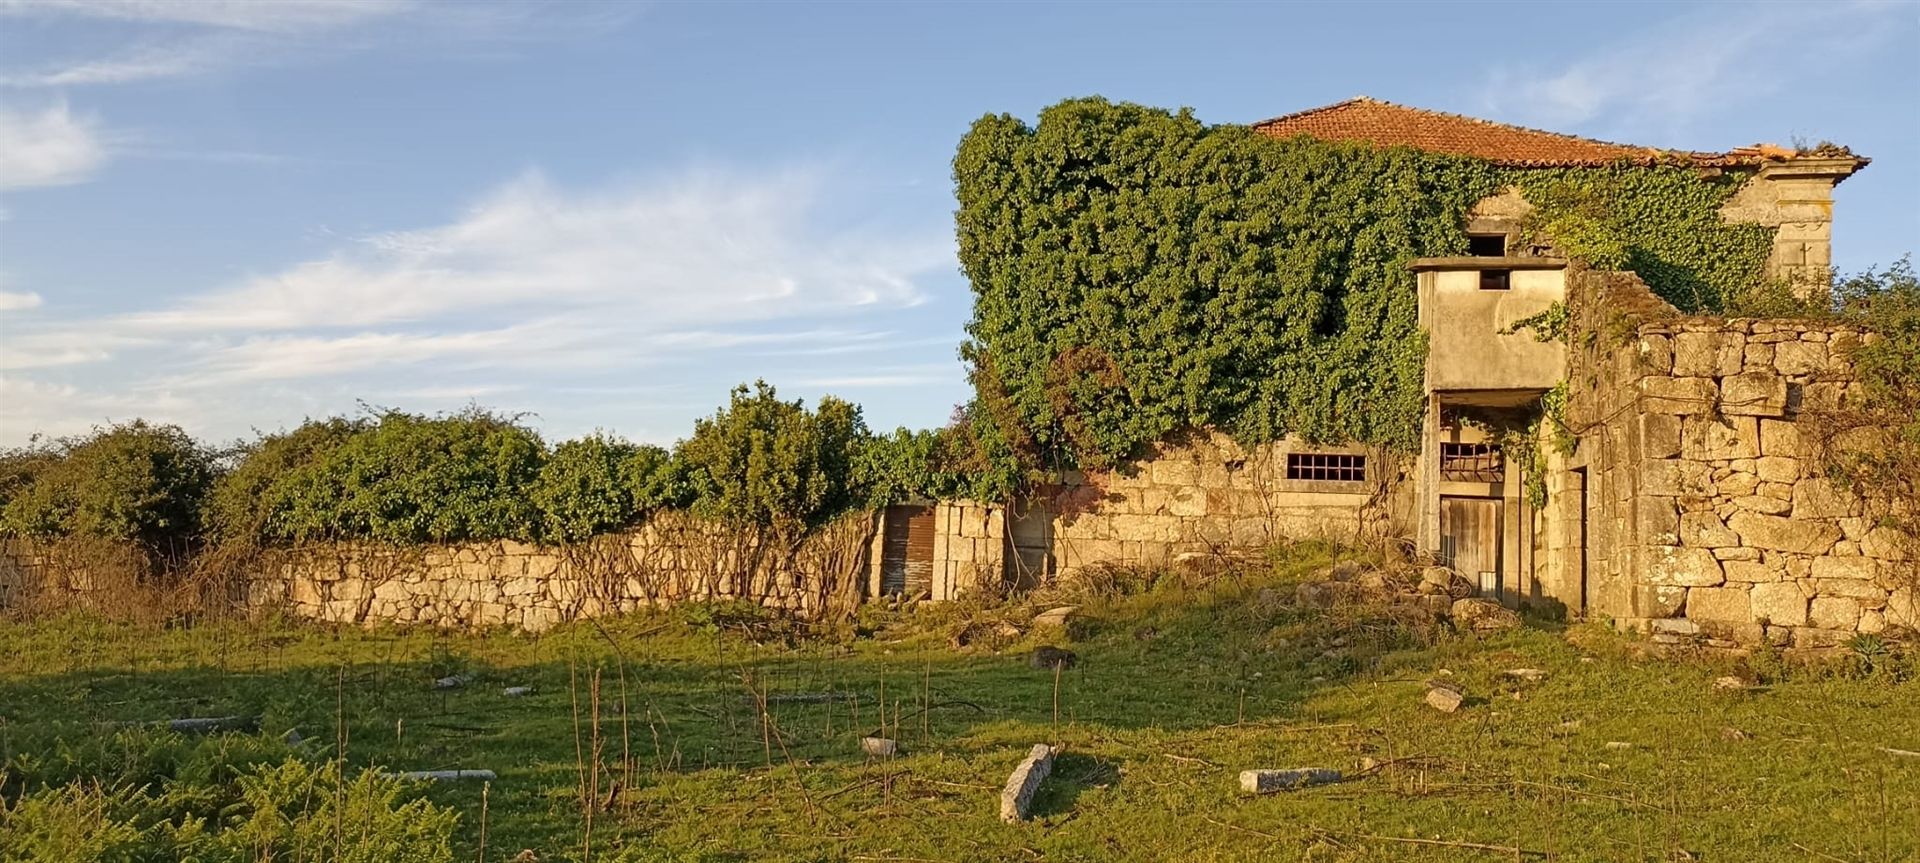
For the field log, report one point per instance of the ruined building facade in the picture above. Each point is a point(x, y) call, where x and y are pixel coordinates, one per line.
point(1684, 502)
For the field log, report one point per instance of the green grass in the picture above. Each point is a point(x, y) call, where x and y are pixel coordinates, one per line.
point(1176, 691)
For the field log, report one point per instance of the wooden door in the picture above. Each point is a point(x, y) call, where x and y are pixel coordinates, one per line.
point(906, 563)
point(1470, 540)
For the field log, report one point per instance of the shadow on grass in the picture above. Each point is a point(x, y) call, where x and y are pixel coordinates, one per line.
point(1072, 774)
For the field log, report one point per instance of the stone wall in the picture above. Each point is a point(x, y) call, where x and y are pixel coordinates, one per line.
point(1707, 514)
point(674, 558)
point(1203, 495)
point(969, 547)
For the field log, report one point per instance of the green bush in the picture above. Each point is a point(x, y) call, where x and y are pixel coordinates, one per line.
point(597, 485)
point(767, 462)
point(246, 499)
point(409, 479)
point(135, 482)
point(1874, 438)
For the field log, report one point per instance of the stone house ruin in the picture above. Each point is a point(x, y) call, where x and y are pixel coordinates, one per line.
point(1686, 505)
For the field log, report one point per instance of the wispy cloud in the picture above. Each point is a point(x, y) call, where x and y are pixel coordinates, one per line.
point(531, 285)
point(176, 38)
point(257, 15)
point(51, 146)
point(1681, 67)
point(16, 301)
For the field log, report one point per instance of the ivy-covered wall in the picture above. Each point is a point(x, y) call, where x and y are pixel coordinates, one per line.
point(1136, 271)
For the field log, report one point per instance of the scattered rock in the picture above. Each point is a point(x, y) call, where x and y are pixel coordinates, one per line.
point(1050, 657)
point(292, 737)
point(1531, 675)
point(1445, 699)
point(1443, 581)
point(1016, 800)
point(1483, 615)
point(1055, 617)
point(212, 724)
point(1729, 683)
point(1619, 744)
point(879, 747)
point(454, 682)
point(1269, 781)
point(1732, 733)
point(1345, 570)
point(517, 691)
point(445, 775)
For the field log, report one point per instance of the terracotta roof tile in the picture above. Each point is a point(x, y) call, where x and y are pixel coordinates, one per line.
point(1387, 124)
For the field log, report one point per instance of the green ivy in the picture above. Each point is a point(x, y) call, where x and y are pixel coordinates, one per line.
point(1136, 272)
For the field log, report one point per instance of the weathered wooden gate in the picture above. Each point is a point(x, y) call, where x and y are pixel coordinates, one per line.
point(906, 563)
point(1470, 540)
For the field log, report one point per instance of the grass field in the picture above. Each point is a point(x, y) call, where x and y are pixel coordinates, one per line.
point(1612, 756)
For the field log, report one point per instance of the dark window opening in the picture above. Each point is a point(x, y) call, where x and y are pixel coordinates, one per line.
point(1495, 280)
point(1471, 462)
point(1332, 467)
point(1487, 245)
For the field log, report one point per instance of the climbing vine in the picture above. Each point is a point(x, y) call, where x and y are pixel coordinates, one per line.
point(1136, 272)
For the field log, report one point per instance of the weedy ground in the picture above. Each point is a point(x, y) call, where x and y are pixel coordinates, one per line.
point(1614, 755)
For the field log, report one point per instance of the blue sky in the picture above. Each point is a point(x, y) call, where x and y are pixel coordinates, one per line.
point(235, 215)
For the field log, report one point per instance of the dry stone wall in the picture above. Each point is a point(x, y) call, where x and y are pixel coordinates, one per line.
point(1708, 514)
point(1204, 495)
point(674, 558)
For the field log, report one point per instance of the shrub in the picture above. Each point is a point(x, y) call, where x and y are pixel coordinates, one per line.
point(408, 479)
point(598, 484)
point(1872, 442)
point(767, 462)
point(244, 501)
point(134, 482)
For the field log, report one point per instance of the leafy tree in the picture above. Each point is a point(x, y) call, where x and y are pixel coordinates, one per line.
point(768, 462)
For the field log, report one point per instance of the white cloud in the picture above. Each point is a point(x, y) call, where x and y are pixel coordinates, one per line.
point(173, 38)
point(710, 248)
point(1659, 80)
point(261, 15)
point(15, 301)
point(49, 147)
point(533, 289)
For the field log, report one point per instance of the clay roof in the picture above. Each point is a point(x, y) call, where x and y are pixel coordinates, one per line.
point(1390, 125)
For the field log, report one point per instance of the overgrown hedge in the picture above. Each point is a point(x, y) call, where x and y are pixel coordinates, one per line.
point(1137, 272)
point(408, 479)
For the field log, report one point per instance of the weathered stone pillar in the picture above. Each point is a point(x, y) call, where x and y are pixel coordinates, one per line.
point(1795, 196)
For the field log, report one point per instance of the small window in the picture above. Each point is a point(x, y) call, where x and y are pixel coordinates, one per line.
point(1471, 462)
point(1495, 280)
point(1487, 245)
point(1332, 467)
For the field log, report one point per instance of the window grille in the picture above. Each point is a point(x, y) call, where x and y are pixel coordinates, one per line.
point(1331, 467)
point(1471, 462)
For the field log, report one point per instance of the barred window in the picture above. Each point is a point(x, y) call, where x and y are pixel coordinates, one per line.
point(1471, 462)
point(1333, 467)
